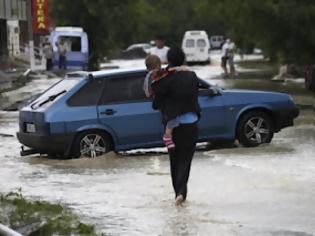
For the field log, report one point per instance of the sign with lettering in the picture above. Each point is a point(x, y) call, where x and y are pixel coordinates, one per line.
point(40, 17)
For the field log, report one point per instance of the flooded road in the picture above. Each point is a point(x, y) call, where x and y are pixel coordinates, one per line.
point(267, 190)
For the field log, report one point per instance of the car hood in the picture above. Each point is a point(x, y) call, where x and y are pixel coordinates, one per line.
point(256, 96)
point(253, 92)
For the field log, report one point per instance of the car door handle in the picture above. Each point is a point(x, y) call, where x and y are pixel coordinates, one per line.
point(108, 112)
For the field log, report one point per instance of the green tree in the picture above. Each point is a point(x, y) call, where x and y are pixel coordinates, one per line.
point(282, 28)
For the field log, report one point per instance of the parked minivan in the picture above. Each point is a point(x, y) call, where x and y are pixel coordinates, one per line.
point(216, 41)
point(91, 113)
point(76, 42)
point(196, 46)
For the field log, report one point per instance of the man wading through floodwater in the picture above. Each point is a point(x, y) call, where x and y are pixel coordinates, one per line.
point(176, 96)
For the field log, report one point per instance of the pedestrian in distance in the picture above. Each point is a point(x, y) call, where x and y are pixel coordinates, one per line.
point(224, 57)
point(160, 49)
point(309, 75)
point(227, 58)
point(230, 54)
point(62, 51)
point(48, 52)
point(176, 96)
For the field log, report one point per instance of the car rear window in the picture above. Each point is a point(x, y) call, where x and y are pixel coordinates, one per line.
point(201, 43)
point(190, 43)
point(55, 92)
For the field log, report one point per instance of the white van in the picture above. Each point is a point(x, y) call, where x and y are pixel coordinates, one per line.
point(76, 41)
point(196, 46)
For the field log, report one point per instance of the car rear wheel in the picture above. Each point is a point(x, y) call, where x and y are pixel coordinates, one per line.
point(92, 144)
point(255, 128)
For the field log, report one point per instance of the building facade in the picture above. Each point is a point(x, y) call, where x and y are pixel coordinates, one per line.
point(13, 26)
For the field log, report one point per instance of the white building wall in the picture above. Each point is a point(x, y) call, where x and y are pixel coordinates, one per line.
point(13, 38)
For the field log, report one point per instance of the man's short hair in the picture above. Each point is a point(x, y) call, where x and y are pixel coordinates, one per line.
point(153, 62)
point(176, 56)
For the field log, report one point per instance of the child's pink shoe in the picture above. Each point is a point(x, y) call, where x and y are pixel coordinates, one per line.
point(168, 142)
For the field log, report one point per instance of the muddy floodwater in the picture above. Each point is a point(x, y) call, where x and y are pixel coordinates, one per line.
point(267, 190)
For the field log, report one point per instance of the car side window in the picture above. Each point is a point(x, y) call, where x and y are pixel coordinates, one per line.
point(124, 89)
point(88, 95)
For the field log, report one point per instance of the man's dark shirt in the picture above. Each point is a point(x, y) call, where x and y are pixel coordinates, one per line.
point(176, 94)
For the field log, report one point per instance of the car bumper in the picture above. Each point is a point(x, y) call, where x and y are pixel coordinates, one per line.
point(56, 143)
point(285, 118)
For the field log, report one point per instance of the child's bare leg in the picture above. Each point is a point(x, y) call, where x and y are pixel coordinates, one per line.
point(168, 139)
point(168, 132)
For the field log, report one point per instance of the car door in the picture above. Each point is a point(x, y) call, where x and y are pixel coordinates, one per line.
point(212, 122)
point(128, 112)
point(189, 47)
point(202, 49)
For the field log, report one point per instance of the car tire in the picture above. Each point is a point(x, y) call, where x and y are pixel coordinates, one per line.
point(255, 128)
point(91, 144)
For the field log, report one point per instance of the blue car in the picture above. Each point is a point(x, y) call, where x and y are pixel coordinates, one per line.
point(91, 113)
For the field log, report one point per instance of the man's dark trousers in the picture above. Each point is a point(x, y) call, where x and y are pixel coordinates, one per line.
point(185, 139)
point(62, 62)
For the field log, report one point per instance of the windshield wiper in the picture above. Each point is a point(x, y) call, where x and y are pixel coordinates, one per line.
point(49, 99)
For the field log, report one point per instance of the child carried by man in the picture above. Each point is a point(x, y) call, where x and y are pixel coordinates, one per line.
point(156, 73)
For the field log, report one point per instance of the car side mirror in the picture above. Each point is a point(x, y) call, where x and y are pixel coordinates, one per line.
point(210, 92)
point(213, 92)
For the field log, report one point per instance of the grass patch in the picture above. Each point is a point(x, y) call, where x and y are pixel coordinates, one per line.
point(39, 217)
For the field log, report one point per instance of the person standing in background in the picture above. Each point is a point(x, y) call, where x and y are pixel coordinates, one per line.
point(224, 56)
point(309, 75)
point(230, 54)
point(48, 52)
point(62, 51)
point(160, 49)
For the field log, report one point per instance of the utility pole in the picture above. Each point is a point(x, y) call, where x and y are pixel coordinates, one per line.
point(30, 33)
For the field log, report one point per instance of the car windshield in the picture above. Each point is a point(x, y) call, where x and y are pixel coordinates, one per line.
point(54, 92)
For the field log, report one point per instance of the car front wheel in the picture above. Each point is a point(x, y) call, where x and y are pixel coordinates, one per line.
point(92, 144)
point(255, 128)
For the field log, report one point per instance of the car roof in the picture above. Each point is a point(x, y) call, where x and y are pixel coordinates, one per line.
point(138, 45)
point(107, 73)
point(195, 33)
